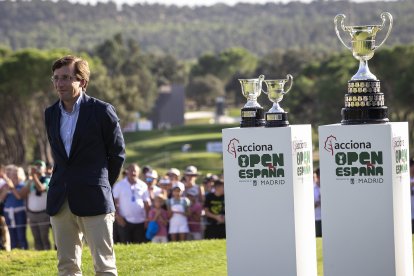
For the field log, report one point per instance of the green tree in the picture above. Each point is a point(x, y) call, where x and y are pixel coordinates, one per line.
point(24, 94)
point(225, 64)
point(132, 87)
point(204, 90)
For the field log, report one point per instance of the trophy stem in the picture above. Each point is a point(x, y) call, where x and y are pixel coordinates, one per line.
point(252, 103)
point(276, 108)
point(363, 72)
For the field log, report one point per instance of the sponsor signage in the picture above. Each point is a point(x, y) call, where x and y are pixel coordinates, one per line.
point(269, 201)
point(365, 199)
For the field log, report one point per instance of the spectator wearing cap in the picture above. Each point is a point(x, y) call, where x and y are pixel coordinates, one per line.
point(166, 186)
point(194, 216)
point(190, 176)
point(160, 215)
point(177, 207)
point(208, 183)
point(39, 220)
point(151, 178)
point(132, 202)
point(146, 169)
point(215, 213)
point(174, 176)
point(14, 206)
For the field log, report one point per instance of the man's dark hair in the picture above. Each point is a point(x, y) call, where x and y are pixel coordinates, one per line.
point(81, 67)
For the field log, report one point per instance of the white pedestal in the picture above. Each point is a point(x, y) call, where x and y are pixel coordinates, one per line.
point(365, 191)
point(270, 219)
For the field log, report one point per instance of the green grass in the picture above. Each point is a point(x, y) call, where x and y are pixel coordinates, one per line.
point(185, 258)
point(162, 148)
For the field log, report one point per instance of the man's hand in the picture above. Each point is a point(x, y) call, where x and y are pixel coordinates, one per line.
point(120, 220)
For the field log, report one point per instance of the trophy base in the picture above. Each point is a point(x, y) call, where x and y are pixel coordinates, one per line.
point(252, 117)
point(364, 115)
point(364, 103)
point(277, 119)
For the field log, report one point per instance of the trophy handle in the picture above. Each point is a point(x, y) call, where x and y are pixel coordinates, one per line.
point(261, 79)
point(289, 77)
point(384, 15)
point(341, 17)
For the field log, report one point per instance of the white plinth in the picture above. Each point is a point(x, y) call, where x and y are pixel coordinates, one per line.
point(365, 191)
point(270, 219)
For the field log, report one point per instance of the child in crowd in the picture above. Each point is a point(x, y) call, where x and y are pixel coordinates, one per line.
point(165, 185)
point(160, 215)
point(215, 212)
point(178, 212)
point(194, 217)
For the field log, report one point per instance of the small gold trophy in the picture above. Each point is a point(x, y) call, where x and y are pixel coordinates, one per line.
point(276, 116)
point(252, 114)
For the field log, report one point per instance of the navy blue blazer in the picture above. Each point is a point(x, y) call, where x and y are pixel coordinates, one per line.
point(95, 160)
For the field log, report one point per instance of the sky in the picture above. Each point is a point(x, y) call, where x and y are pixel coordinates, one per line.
point(200, 2)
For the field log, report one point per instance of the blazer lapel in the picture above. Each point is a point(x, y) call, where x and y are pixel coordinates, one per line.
point(84, 115)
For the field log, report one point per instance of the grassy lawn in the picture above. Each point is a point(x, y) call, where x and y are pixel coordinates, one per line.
point(162, 149)
point(186, 258)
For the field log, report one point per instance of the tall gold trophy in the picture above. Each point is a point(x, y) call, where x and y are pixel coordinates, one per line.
point(364, 102)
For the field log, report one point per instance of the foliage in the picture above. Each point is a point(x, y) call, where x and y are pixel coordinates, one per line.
point(24, 93)
point(189, 32)
point(204, 90)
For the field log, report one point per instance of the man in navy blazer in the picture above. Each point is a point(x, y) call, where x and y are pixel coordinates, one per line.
point(88, 150)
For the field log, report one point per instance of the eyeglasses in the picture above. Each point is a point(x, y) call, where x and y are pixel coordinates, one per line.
point(63, 78)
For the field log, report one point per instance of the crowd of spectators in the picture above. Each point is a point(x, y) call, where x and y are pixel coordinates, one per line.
point(22, 201)
point(172, 207)
point(149, 206)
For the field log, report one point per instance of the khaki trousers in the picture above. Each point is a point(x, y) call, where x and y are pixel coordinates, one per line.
point(68, 231)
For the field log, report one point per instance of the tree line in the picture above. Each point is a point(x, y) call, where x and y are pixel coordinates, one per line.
point(120, 74)
point(189, 32)
point(129, 78)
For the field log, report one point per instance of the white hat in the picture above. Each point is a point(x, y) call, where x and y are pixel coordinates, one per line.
point(152, 173)
point(174, 171)
point(179, 185)
point(191, 170)
point(164, 181)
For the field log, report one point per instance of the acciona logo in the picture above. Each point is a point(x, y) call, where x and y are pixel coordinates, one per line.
point(332, 144)
point(299, 145)
point(234, 147)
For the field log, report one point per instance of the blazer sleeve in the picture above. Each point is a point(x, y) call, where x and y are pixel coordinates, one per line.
point(114, 144)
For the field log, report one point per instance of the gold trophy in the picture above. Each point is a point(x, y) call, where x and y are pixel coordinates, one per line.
point(252, 114)
point(364, 103)
point(276, 116)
